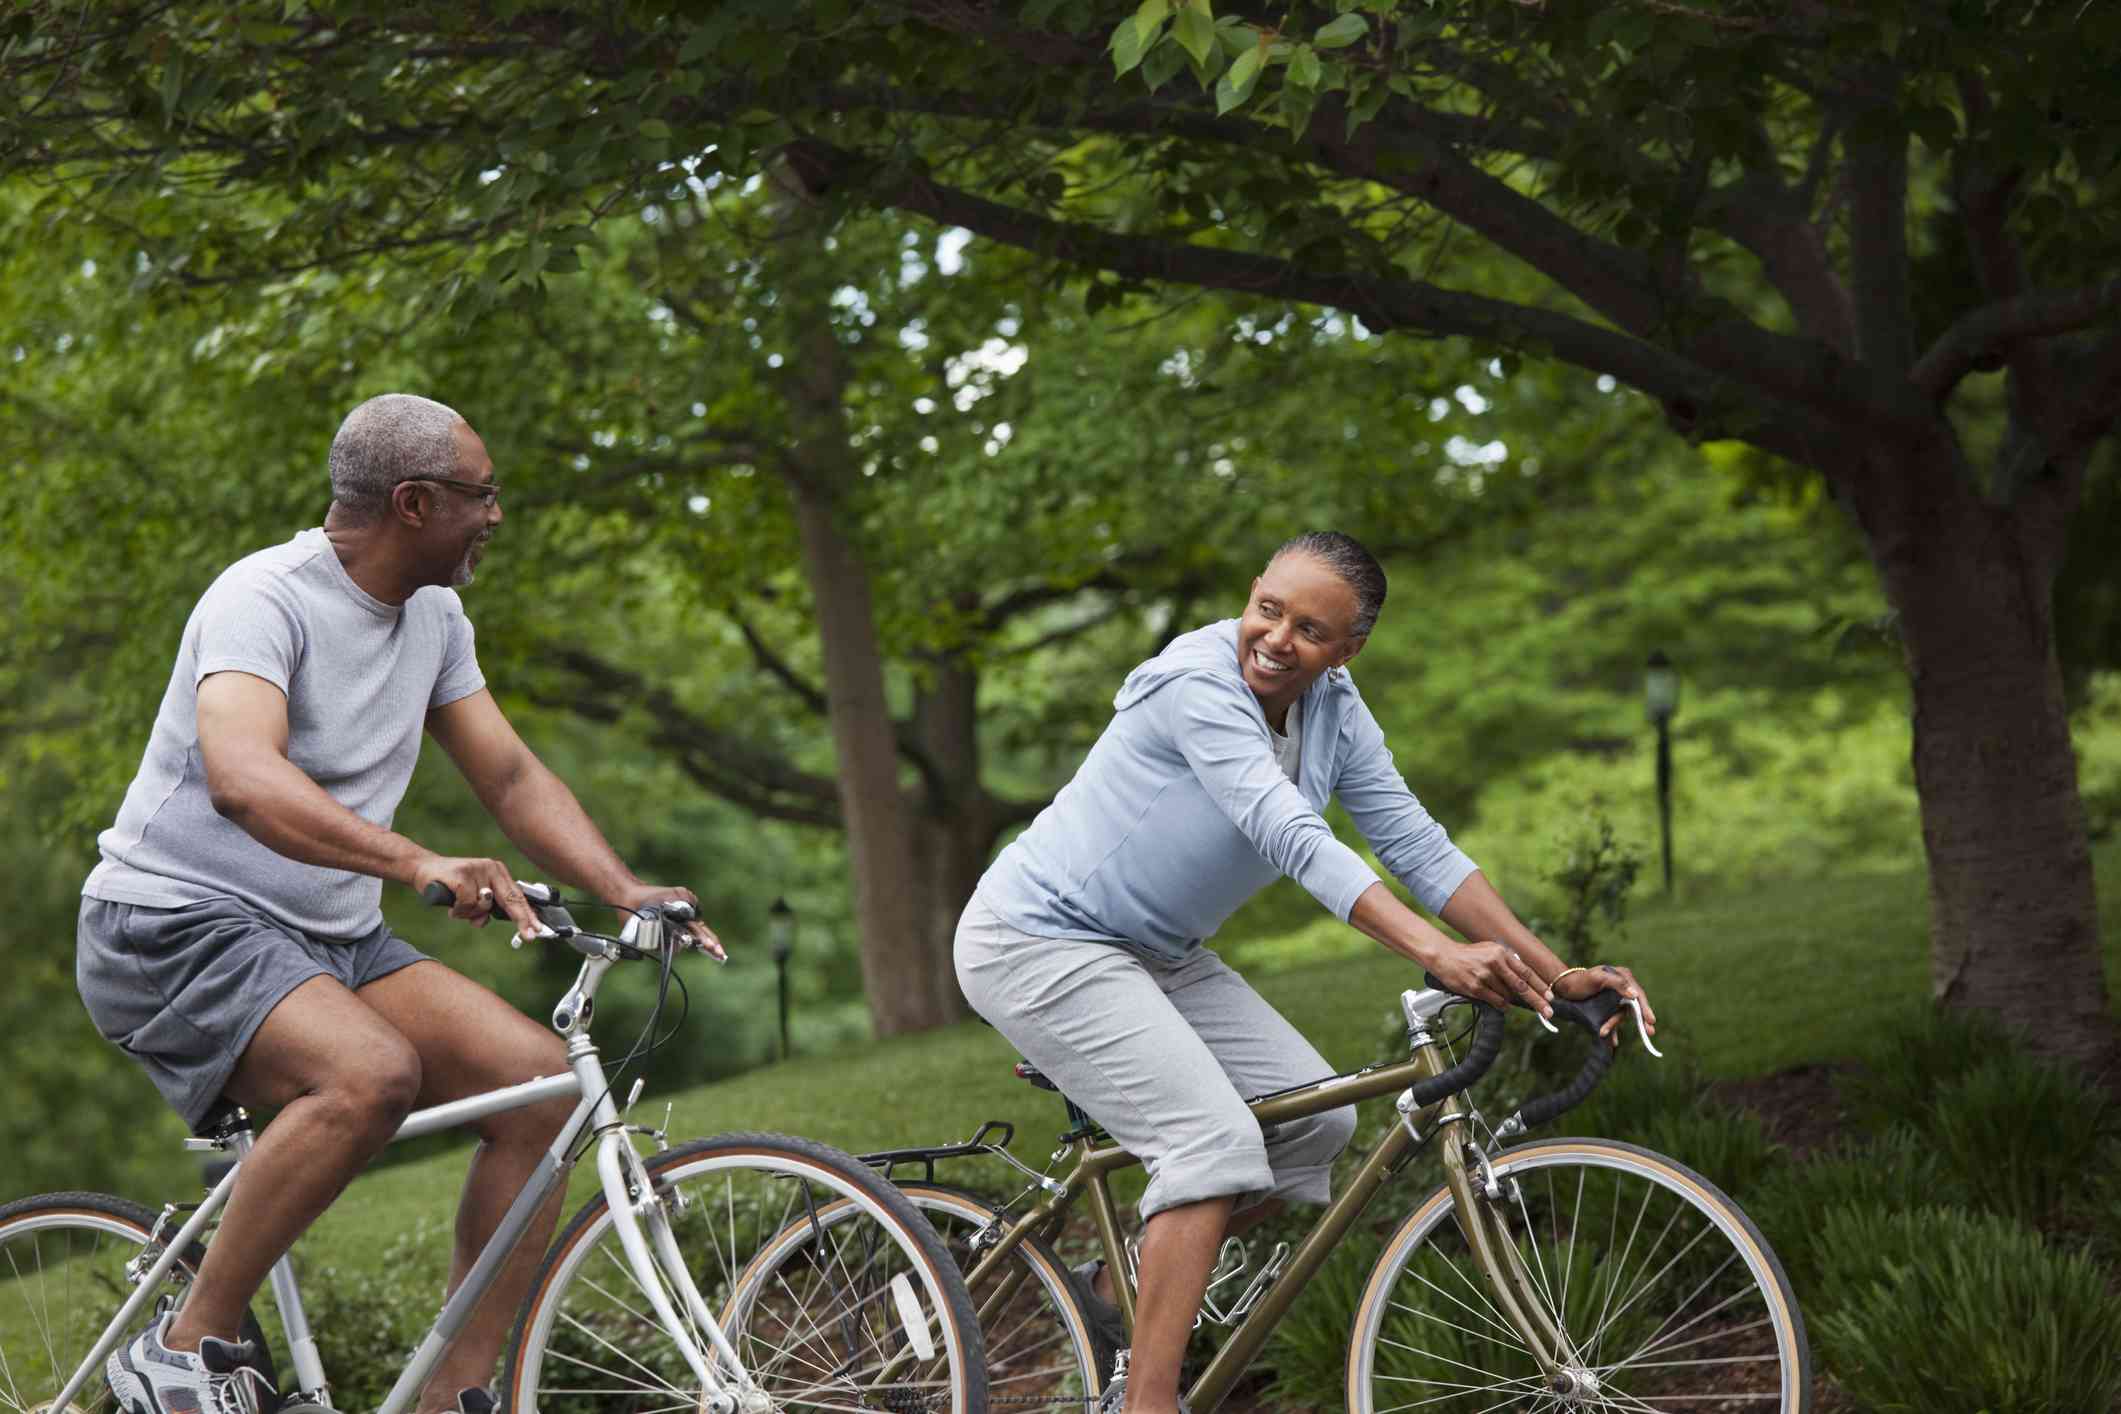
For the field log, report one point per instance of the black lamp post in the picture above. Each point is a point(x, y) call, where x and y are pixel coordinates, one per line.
point(1660, 696)
point(780, 927)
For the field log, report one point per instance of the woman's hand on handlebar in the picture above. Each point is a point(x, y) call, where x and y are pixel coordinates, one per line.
point(701, 935)
point(1614, 978)
point(1489, 972)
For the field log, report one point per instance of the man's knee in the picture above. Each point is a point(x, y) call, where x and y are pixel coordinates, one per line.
point(376, 1089)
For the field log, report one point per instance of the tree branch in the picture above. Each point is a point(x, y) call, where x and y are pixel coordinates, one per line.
point(1877, 186)
point(1733, 380)
point(807, 692)
point(743, 772)
point(1987, 334)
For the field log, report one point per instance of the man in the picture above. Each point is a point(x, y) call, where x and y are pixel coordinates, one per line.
point(230, 939)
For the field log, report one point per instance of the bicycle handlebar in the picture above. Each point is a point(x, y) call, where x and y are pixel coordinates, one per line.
point(1487, 1045)
point(546, 903)
point(1590, 1014)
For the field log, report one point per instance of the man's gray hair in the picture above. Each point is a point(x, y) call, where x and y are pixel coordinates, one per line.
point(388, 439)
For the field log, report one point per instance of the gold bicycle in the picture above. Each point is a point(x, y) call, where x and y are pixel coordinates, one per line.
point(1560, 1274)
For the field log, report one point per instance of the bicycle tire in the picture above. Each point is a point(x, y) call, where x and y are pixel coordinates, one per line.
point(1599, 1225)
point(835, 1338)
point(1039, 1351)
point(62, 1277)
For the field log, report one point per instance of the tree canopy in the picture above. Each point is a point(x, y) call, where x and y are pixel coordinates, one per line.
point(1873, 240)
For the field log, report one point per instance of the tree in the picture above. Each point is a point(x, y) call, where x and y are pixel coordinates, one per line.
point(681, 428)
point(1854, 237)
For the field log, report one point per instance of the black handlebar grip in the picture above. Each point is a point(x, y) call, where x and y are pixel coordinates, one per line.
point(439, 894)
point(1539, 1110)
point(1487, 1044)
point(1590, 1013)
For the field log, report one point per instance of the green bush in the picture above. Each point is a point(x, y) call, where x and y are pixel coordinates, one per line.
point(2022, 1137)
point(1308, 1349)
point(1895, 1171)
point(1914, 1062)
point(1952, 1313)
point(1638, 1094)
point(368, 1319)
point(1727, 1146)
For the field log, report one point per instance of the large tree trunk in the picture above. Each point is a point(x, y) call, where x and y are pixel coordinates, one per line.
point(957, 822)
point(909, 986)
point(2013, 922)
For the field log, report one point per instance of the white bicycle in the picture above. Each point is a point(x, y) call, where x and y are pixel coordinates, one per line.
point(654, 1298)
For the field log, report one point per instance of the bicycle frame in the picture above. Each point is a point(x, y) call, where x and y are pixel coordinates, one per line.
point(643, 1226)
point(1495, 1252)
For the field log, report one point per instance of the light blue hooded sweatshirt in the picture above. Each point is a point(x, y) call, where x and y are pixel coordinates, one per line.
point(1180, 812)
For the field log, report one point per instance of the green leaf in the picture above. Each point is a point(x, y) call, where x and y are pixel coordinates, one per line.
point(1195, 31)
point(1342, 32)
point(1164, 60)
point(1304, 68)
point(1297, 104)
point(1127, 48)
point(1149, 21)
point(1236, 86)
point(655, 128)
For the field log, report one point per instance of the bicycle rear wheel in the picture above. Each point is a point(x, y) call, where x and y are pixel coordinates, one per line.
point(64, 1260)
point(862, 1312)
point(1039, 1351)
point(1666, 1293)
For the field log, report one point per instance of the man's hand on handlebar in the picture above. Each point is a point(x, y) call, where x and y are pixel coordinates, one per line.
point(701, 936)
point(482, 888)
point(1491, 973)
point(1609, 977)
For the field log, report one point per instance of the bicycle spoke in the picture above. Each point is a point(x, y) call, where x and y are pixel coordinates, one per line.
point(1662, 1337)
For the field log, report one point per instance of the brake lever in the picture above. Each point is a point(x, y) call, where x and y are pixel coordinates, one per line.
point(1642, 1033)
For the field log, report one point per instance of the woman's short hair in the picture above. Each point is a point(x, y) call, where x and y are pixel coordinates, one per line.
point(1357, 568)
point(388, 439)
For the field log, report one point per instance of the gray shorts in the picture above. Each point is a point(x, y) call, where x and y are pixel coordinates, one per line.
point(182, 990)
point(1163, 1055)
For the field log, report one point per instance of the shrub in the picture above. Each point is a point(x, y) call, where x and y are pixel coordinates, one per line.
point(1308, 1349)
point(1952, 1313)
point(1637, 1095)
point(1725, 1145)
point(2021, 1136)
point(368, 1319)
point(1896, 1171)
point(1914, 1062)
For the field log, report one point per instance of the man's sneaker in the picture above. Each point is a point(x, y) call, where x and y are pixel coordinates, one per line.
point(147, 1377)
point(1108, 1332)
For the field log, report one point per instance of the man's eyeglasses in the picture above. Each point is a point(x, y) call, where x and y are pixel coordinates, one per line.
point(488, 492)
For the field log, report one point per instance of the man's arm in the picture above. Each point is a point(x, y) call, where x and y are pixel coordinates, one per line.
point(242, 724)
point(535, 808)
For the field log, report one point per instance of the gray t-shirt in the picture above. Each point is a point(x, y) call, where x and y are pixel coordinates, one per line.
point(360, 677)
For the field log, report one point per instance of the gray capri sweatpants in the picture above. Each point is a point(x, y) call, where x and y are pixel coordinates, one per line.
point(1162, 1054)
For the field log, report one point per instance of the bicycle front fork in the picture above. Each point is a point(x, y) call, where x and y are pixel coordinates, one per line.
point(1478, 1199)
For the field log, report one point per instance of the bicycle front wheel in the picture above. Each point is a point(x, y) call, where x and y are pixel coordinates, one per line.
point(66, 1266)
point(1665, 1295)
point(833, 1291)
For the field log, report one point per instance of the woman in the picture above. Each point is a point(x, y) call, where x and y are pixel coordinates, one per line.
point(1082, 943)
